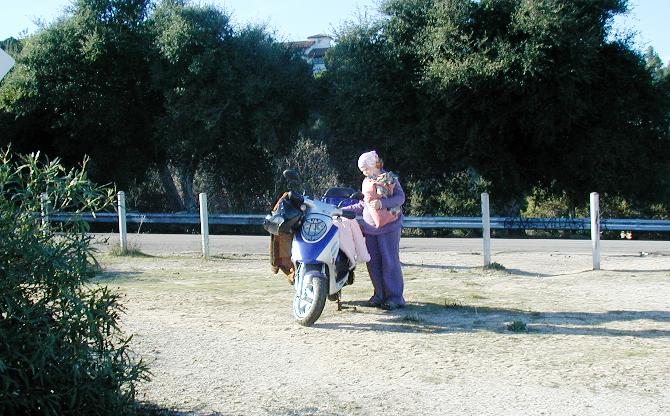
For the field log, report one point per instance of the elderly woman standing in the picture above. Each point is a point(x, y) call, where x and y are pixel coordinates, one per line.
point(383, 242)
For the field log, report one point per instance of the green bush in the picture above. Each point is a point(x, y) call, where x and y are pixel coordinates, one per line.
point(495, 266)
point(516, 326)
point(458, 195)
point(549, 203)
point(311, 160)
point(61, 349)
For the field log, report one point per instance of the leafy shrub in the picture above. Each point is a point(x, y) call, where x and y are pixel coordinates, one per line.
point(148, 195)
point(456, 196)
point(516, 326)
point(614, 206)
point(245, 191)
point(549, 203)
point(61, 349)
point(495, 266)
point(310, 158)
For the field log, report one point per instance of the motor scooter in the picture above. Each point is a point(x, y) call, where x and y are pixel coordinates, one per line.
point(321, 268)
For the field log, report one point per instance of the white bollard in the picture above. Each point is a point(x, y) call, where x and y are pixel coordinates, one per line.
point(486, 229)
point(595, 229)
point(44, 200)
point(123, 230)
point(204, 224)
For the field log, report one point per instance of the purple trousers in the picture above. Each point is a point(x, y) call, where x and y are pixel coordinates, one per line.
point(384, 267)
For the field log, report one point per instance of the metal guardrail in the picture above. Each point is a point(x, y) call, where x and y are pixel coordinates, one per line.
point(504, 223)
point(164, 218)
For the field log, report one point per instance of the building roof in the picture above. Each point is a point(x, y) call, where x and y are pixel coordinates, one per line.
point(320, 35)
point(301, 44)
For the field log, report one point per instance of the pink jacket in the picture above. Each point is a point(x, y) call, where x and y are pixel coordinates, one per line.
point(352, 242)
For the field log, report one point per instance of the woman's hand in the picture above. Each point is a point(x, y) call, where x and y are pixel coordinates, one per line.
point(375, 204)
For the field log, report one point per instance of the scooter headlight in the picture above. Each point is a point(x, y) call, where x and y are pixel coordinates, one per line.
point(313, 229)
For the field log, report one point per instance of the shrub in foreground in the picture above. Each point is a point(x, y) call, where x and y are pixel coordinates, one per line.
point(61, 349)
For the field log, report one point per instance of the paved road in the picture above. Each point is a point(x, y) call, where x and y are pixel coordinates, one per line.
point(240, 244)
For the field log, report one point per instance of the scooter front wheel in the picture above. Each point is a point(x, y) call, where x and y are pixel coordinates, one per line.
point(310, 299)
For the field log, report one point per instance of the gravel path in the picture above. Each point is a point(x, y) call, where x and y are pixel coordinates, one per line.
point(220, 339)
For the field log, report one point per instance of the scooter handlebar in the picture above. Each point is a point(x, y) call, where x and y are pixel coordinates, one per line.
point(295, 197)
point(349, 214)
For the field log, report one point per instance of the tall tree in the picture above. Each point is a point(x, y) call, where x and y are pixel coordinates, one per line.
point(543, 95)
point(81, 86)
point(523, 92)
point(373, 95)
point(137, 85)
point(229, 98)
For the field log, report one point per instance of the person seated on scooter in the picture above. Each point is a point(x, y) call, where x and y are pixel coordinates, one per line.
point(382, 241)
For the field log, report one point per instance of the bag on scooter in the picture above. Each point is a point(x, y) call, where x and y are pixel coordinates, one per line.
point(283, 218)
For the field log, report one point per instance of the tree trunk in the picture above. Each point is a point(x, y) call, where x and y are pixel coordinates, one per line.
point(186, 182)
point(227, 205)
point(572, 208)
point(171, 188)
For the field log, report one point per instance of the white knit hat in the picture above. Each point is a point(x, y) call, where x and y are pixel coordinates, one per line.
point(368, 160)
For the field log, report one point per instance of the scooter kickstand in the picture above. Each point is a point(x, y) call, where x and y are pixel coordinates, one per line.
point(339, 303)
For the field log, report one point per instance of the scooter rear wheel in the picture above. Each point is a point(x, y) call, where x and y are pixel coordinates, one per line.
point(309, 303)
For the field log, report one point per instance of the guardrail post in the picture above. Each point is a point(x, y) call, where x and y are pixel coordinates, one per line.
point(486, 229)
point(204, 224)
point(123, 231)
point(44, 203)
point(595, 229)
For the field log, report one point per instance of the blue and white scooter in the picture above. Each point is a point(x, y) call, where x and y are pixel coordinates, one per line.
point(322, 269)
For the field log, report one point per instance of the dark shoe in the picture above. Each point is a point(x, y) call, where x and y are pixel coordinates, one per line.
point(390, 306)
point(374, 304)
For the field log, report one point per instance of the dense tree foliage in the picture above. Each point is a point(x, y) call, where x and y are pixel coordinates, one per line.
point(224, 93)
point(80, 88)
point(523, 92)
point(138, 86)
point(555, 86)
point(373, 97)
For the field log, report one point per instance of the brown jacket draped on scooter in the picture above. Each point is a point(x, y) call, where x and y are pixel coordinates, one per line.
point(280, 251)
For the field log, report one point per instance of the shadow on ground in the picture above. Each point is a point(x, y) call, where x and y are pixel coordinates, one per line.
point(448, 318)
point(456, 268)
point(119, 276)
point(519, 272)
point(148, 409)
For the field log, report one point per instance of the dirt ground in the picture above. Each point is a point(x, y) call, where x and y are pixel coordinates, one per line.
point(220, 339)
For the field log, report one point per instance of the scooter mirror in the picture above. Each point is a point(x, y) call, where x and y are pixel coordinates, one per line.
point(356, 195)
point(291, 175)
